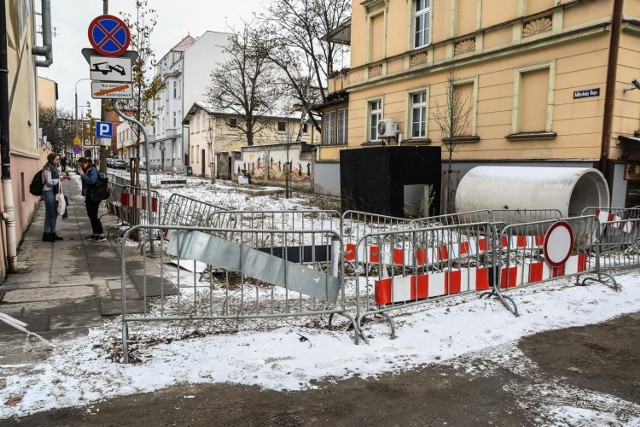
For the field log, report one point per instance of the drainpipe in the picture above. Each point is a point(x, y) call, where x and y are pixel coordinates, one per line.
point(9, 214)
point(614, 44)
point(47, 49)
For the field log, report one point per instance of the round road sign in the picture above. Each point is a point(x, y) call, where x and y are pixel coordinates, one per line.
point(109, 35)
point(558, 243)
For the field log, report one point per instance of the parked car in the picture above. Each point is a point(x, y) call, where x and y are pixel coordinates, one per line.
point(119, 164)
point(141, 167)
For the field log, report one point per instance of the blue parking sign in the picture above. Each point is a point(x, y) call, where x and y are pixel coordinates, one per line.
point(104, 129)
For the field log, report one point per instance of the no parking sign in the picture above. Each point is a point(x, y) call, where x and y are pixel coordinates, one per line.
point(109, 35)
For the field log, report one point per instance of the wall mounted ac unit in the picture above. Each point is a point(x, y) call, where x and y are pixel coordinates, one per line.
point(387, 128)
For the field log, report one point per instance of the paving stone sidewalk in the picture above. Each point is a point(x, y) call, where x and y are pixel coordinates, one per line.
point(65, 287)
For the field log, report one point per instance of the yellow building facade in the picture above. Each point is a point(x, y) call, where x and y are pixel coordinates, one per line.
point(532, 82)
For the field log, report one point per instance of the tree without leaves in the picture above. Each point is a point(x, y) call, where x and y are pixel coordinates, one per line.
point(246, 86)
point(296, 28)
point(146, 86)
point(453, 118)
point(58, 126)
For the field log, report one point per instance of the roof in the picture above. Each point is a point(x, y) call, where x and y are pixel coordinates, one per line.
point(341, 34)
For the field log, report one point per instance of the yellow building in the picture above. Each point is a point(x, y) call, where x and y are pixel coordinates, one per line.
point(217, 136)
point(532, 82)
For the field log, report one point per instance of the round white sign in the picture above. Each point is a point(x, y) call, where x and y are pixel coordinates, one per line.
point(558, 243)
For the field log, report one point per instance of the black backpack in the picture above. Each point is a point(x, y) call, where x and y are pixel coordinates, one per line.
point(37, 184)
point(100, 190)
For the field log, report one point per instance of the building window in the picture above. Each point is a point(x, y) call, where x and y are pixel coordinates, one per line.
point(329, 128)
point(421, 22)
point(419, 114)
point(375, 115)
point(282, 126)
point(305, 128)
point(533, 99)
point(233, 123)
point(175, 89)
point(175, 120)
point(343, 120)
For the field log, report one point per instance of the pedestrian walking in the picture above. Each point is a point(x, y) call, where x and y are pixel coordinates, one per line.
point(63, 164)
point(89, 175)
point(51, 179)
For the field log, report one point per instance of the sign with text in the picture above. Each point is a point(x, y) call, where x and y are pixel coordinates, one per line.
point(106, 90)
point(586, 93)
point(104, 129)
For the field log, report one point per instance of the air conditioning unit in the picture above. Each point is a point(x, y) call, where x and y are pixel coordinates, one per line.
point(387, 128)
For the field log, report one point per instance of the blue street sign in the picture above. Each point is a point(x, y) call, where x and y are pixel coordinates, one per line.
point(104, 129)
point(109, 35)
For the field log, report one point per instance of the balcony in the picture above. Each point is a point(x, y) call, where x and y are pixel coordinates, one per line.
point(338, 80)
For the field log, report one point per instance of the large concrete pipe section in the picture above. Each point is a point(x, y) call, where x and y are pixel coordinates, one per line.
point(568, 190)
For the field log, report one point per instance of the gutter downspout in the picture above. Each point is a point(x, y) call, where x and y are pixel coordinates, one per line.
point(47, 49)
point(9, 214)
point(614, 45)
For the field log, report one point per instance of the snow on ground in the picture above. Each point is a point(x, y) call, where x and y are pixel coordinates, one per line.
point(292, 356)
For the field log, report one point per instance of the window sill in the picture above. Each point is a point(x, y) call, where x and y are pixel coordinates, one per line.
point(416, 141)
point(461, 139)
point(524, 136)
point(377, 143)
point(331, 145)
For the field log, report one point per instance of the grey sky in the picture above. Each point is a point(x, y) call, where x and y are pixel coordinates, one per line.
point(176, 19)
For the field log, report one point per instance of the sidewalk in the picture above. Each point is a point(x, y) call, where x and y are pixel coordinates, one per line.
point(67, 286)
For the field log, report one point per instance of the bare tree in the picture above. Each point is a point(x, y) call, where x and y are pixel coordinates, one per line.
point(453, 118)
point(58, 126)
point(247, 86)
point(296, 29)
point(146, 86)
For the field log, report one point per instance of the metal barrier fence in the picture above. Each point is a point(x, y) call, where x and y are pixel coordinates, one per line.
point(414, 266)
point(129, 204)
point(452, 219)
point(619, 245)
point(187, 211)
point(251, 279)
point(539, 251)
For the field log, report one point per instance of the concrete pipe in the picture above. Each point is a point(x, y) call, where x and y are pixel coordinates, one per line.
point(568, 190)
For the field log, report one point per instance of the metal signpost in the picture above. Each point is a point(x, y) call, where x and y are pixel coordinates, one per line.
point(110, 69)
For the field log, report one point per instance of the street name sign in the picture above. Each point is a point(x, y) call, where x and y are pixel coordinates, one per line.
point(107, 90)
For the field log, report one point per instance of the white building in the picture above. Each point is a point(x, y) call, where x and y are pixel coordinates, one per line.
point(186, 74)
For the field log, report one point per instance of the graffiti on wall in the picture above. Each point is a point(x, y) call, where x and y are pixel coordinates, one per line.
point(273, 166)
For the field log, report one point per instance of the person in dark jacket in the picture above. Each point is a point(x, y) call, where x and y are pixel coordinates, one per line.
point(89, 175)
point(51, 179)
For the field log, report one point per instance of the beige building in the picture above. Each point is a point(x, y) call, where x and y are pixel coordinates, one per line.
point(544, 81)
point(216, 136)
point(47, 93)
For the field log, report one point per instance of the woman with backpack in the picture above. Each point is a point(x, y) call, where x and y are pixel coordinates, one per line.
point(51, 179)
point(89, 175)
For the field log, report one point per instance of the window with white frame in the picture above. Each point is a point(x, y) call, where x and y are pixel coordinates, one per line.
point(329, 128)
point(419, 114)
point(233, 123)
point(305, 128)
point(375, 115)
point(175, 89)
point(175, 120)
point(343, 118)
point(282, 126)
point(421, 22)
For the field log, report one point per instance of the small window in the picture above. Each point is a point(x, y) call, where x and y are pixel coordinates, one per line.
point(305, 128)
point(421, 22)
point(175, 120)
point(329, 128)
point(343, 118)
point(175, 90)
point(418, 114)
point(233, 123)
point(282, 126)
point(375, 115)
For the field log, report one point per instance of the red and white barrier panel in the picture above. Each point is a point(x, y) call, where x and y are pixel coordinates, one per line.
point(416, 287)
point(114, 209)
point(421, 286)
point(622, 225)
point(403, 256)
point(138, 202)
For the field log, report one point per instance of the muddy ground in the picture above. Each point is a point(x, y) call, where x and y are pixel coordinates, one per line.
point(587, 376)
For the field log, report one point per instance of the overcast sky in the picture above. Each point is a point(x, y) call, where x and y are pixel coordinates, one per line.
point(176, 19)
